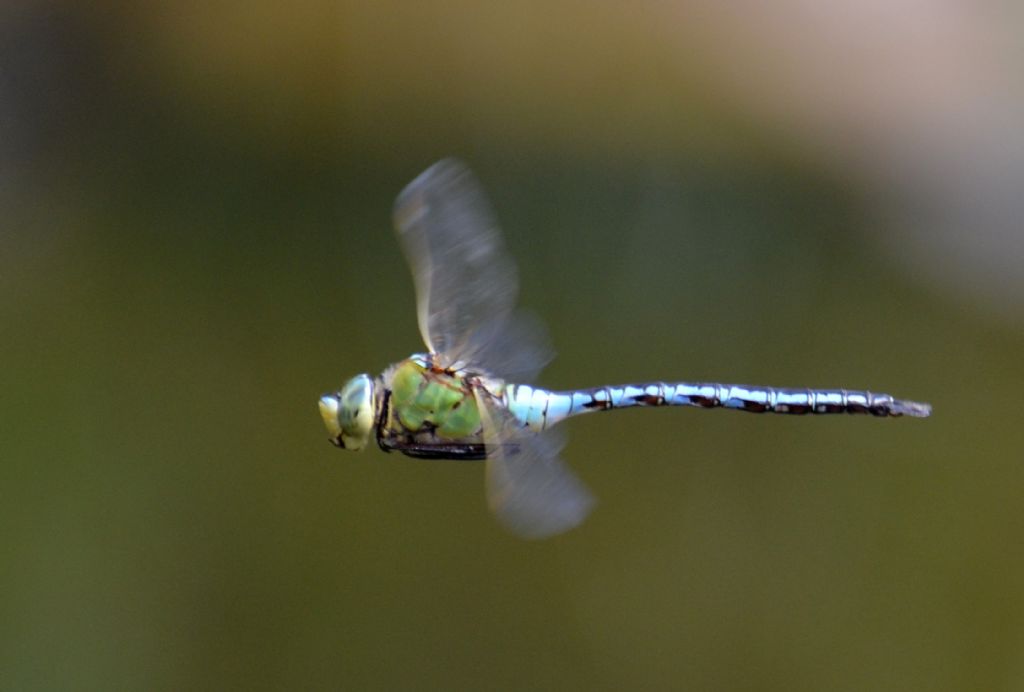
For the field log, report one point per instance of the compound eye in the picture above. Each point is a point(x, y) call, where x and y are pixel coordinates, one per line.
point(329, 410)
point(349, 414)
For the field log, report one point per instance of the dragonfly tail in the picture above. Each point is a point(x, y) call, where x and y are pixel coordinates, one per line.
point(915, 409)
point(539, 408)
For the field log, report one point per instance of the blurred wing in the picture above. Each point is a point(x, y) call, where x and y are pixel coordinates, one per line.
point(466, 284)
point(529, 488)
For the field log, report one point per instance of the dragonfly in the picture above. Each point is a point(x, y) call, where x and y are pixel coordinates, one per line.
point(463, 398)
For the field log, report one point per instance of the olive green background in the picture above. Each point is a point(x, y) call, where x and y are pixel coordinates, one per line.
point(196, 244)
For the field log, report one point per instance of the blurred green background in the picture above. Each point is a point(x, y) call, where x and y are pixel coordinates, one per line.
point(196, 244)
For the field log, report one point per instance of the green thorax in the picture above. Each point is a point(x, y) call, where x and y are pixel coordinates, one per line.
point(428, 407)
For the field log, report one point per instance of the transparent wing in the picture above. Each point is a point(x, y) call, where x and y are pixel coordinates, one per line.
point(466, 284)
point(529, 488)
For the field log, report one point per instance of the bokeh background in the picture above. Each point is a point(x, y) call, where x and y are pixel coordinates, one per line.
point(195, 243)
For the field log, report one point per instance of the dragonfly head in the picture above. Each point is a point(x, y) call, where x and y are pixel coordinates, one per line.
point(348, 414)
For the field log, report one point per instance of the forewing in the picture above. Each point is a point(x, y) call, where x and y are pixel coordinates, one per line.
point(466, 284)
point(529, 488)
point(514, 349)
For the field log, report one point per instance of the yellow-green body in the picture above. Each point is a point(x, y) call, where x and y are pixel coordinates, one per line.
point(420, 395)
point(431, 412)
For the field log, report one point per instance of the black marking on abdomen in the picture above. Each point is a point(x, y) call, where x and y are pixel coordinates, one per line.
point(599, 404)
point(705, 401)
point(756, 406)
point(649, 400)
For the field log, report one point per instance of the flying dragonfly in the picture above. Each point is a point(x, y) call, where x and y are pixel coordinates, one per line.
point(460, 400)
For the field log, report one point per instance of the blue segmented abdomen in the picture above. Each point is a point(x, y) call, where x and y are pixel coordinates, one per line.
point(540, 408)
